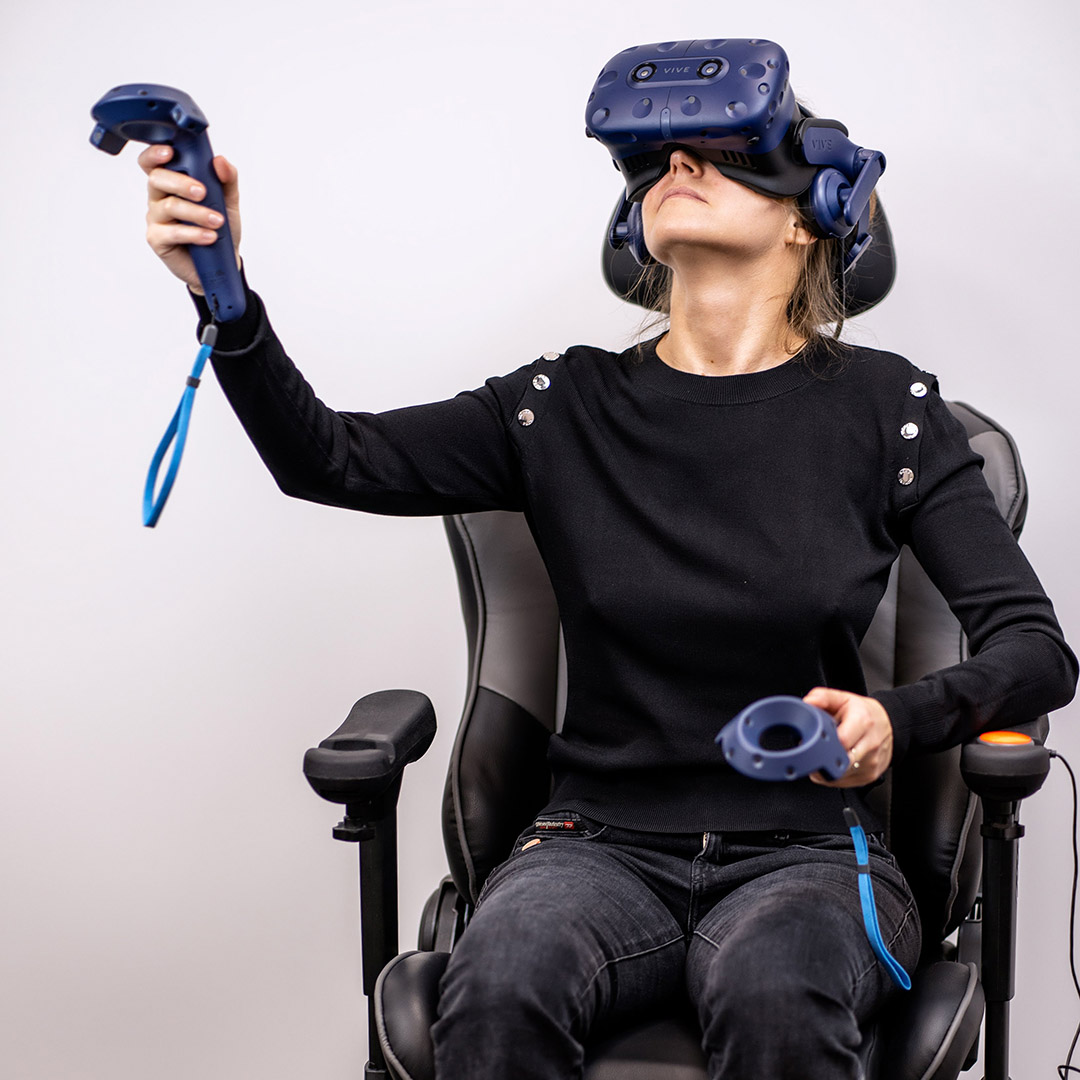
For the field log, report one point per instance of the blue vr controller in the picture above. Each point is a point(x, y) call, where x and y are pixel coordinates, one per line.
point(781, 718)
point(147, 113)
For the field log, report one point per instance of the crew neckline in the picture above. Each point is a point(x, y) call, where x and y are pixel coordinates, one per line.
point(724, 389)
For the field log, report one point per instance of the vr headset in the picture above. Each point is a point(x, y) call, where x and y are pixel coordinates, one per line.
point(728, 100)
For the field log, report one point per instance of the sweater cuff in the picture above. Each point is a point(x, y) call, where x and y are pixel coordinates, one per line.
point(239, 334)
point(899, 717)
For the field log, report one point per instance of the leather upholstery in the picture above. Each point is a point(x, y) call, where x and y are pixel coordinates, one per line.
point(931, 1032)
point(512, 627)
point(406, 995)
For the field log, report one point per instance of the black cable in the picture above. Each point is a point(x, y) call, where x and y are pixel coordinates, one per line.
point(1068, 1067)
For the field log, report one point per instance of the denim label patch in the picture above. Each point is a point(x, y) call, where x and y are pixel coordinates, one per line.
point(556, 825)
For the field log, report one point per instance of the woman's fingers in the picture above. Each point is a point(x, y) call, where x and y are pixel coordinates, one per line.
point(864, 730)
point(164, 237)
point(172, 222)
point(162, 183)
point(230, 186)
point(173, 208)
point(153, 156)
point(176, 216)
point(176, 196)
point(226, 172)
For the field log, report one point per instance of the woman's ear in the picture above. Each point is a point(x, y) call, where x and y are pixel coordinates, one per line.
point(797, 233)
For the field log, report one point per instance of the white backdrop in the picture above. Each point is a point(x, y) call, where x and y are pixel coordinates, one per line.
point(421, 210)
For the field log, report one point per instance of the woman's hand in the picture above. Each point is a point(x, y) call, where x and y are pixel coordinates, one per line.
point(864, 730)
point(174, 218)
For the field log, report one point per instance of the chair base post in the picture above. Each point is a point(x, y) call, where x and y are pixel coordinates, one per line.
point(373, 827)
point(1002, 774)
point(378, 898)
point(378, 922)
point(1001, 842)
point(996, 1046)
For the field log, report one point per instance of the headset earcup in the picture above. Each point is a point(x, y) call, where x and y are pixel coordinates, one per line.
point(825, 206)
point(635, 235)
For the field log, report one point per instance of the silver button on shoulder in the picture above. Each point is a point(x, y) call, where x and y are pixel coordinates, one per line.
point(917, 389)
point(526, 417)
point(906, 477)
point(541, 382)
point(551, 356)
point(909, 431)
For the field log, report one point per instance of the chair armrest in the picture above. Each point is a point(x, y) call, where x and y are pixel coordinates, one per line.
point(1007, 771)
point(382, 734)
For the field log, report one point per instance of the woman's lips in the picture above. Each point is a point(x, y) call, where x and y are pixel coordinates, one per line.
point(683, 192)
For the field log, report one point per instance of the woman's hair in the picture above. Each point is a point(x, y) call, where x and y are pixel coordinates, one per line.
point(815, 309)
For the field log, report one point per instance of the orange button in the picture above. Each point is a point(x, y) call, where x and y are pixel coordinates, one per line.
point(1005, 738)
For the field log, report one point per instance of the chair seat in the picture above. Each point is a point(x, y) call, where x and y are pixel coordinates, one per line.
point(935, 1025)
point(666, 1048)
point(929, 1035)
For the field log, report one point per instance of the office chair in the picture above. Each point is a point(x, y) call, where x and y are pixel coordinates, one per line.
point(935, 807)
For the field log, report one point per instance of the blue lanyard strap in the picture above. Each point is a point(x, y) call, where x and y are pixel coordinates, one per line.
point(177, 430)
point(869, 908)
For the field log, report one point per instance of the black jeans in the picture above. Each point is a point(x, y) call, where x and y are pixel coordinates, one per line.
point(587, 922)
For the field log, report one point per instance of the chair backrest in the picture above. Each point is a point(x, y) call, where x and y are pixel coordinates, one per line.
point(498, 776)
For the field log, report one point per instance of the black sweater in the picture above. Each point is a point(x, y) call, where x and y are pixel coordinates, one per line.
point(710, 541)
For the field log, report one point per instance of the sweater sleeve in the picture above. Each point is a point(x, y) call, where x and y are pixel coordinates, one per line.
point(1020, 666)
point(453, 456)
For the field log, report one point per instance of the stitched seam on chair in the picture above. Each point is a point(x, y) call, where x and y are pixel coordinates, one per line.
point(958, 858)
point(473, 689)
point(618, 960)
point(950, 1035)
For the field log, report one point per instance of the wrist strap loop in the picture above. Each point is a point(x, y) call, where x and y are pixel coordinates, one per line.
point(177, 430)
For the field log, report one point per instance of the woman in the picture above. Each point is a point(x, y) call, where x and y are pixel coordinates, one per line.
point(718, 511)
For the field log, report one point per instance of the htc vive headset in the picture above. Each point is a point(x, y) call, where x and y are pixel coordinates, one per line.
point(728, 101)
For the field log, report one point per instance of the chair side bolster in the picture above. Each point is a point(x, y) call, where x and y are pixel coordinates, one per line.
point(406, 1000)
point(934, 1026)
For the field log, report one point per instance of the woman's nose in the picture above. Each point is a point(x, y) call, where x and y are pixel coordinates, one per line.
point(683, 160)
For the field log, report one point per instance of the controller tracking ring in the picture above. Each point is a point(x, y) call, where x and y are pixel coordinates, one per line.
point(818, 748)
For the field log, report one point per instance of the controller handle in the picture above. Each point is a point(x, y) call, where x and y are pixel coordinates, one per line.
point(816, 748)
point(147, 113)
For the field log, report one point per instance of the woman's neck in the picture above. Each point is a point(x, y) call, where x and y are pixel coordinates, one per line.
point(728, 324)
